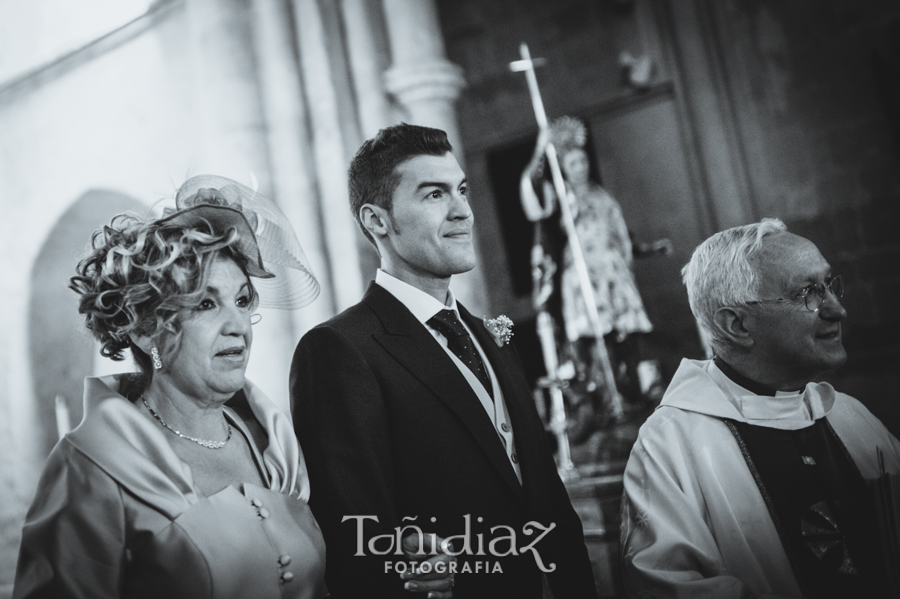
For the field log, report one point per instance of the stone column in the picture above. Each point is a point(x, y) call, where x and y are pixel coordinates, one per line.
point(234, 144)
point(367, 52)
point(421, 77)
point(226, 93)
point(701, 77)
point(327, 134)
point(368, 56)
point(427, 85)
point(293, 176)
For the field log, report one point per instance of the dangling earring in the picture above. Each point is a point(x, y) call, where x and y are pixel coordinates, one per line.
point(256, 316)
point(157, 363)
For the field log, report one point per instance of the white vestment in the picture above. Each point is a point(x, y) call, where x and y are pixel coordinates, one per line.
point(694, 523)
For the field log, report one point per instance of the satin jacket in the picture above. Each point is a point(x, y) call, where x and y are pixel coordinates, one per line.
point(116, 514)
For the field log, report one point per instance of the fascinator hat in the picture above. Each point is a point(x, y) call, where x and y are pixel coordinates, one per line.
point(266, 237)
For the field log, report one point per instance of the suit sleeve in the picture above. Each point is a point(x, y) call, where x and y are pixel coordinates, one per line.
point(341, 424)
point(73, 541)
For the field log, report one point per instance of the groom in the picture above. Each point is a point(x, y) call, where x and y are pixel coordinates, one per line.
point(411, 413)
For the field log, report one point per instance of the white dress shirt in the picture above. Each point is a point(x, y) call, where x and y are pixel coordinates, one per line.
point(423, 308)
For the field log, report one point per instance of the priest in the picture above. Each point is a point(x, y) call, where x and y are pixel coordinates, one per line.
point(750, 479)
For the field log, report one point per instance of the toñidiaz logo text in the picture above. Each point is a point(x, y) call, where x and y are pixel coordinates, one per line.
point(503, 541)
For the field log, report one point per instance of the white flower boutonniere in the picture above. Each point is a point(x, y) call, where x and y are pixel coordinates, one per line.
point(500, 329)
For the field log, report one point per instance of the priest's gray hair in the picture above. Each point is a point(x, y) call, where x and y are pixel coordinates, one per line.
point(720, 273)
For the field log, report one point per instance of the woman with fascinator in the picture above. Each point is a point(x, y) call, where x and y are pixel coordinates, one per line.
point(608, 250)
point(183, 480)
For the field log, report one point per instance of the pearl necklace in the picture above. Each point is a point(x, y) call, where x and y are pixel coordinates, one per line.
point(202, 442)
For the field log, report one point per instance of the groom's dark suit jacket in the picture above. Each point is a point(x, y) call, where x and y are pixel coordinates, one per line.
point(390, 428)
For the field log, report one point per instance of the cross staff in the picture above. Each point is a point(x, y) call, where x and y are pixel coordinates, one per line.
point(527, 65)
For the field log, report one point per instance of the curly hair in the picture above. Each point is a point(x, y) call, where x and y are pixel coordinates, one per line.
point(140, 274)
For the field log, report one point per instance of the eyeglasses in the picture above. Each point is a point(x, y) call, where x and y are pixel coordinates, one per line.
point(813, 296)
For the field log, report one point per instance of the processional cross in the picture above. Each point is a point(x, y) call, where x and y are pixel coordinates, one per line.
point(527, 65)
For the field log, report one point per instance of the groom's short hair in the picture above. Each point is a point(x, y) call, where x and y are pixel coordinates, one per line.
point(373, 172)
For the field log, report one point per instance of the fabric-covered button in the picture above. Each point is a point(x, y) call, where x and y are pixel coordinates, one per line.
point(284, 560)
point(263, 513)
point(256, 502)
point(515, 458)
point(505, 427)
point(287, 577)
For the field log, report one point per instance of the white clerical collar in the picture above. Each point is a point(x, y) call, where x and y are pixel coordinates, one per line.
point(422, 305)
point(788, 410)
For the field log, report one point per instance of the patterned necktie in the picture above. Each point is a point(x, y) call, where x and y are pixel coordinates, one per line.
point(460, 343)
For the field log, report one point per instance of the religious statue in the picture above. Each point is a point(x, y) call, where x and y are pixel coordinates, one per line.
point(608, 250)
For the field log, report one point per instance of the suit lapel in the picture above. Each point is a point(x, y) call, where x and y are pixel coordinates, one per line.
point(413, 346)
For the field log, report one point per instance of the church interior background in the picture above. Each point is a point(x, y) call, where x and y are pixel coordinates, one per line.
point(701, 115)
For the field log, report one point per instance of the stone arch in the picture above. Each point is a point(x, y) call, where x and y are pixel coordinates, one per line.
point(60, 350)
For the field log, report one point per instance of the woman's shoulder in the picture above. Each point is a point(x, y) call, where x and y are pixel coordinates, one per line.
point(106, 409)
point(130, 448)
point(70, 473)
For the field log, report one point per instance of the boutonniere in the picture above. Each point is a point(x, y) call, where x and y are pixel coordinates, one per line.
point(500, 329)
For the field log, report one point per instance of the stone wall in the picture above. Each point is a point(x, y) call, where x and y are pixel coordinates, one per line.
point(782, 109)
point(815, 91)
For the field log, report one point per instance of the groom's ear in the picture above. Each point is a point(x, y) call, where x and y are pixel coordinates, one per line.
point(374, 219)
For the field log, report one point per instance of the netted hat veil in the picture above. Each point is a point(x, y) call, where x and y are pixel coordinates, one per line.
point(284, 278)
